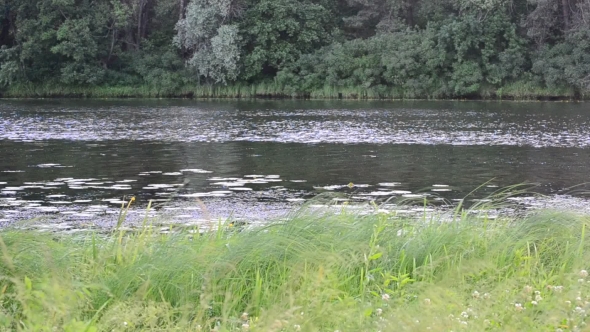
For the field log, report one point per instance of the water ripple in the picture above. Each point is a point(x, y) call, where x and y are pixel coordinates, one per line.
point(205, 122)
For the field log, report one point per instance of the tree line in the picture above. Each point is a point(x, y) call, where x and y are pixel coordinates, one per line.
point(416, 48)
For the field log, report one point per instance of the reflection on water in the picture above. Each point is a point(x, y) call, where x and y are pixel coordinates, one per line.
point(57, 153)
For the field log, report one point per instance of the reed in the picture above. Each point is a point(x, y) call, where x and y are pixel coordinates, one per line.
point(313, 272)
point(512, 91)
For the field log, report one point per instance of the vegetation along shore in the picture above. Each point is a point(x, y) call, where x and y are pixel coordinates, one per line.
point(312, 272)
point(383, 49)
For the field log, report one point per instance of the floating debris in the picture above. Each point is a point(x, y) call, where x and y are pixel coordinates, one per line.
point(56, 196)
point(389, 184)
point(48, 165)
point(196, 170)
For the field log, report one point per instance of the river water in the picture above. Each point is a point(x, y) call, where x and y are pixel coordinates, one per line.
point(78, 157)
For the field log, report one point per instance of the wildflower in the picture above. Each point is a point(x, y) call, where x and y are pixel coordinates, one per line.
point(475, 294)
point(538, 298)
point(297, 327)
point(583, 273)
point(244, 316)
point(427, 301)
point(486, 296)
point(558, 289)
point(528, 289)
point(385, 297)
point(568, 303)
point(579, 310)
point(581, 280)
point(245, 326)
point(463, 322)
point(534, 302)
point(518, 307)
point(486, 322)
point(464, 315)
point(125, 323)
point(379, 311)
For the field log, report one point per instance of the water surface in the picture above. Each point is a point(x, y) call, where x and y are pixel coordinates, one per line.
point(60, 153)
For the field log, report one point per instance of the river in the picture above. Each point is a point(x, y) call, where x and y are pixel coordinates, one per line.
point(78, 157)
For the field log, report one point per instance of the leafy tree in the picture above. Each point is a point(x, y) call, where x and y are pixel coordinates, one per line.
point(276, 33)
point(213, 42)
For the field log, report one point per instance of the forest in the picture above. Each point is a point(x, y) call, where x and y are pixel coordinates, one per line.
point(296, 48)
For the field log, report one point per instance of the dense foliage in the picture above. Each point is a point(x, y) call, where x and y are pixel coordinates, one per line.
point(379, 48)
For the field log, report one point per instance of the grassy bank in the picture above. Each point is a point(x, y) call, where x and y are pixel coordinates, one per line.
point(311, 273)
point(514, 91)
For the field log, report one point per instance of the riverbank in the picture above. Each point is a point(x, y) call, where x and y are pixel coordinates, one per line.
point(313, 272)
point(515, 91)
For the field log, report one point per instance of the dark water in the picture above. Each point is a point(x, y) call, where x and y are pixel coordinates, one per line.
point(62, 151)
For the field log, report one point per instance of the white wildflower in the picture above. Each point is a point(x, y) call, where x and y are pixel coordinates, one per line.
point(518, 307)
point(486, 295)
point(528, 289)
point(245, 326)
point(427, 301)
point(534, 302)
point(475, 294)
point(385, 297)
point(538, 298)
point(583, 273)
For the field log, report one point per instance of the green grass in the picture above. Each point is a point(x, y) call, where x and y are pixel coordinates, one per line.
point(314, 272)
point(512, 91)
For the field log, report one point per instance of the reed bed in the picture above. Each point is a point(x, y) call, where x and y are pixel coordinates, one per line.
point(513, 91)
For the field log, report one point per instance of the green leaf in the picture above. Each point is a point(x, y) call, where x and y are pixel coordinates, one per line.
point(376, 256)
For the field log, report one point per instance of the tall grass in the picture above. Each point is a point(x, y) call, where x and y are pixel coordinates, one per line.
point(314, 272)
point(512, 91)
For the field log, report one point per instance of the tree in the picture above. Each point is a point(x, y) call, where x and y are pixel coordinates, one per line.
point(207, 34)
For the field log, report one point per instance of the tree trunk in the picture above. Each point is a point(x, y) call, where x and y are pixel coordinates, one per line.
point(181, 9)
point(410, 12)
point(565, 6)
